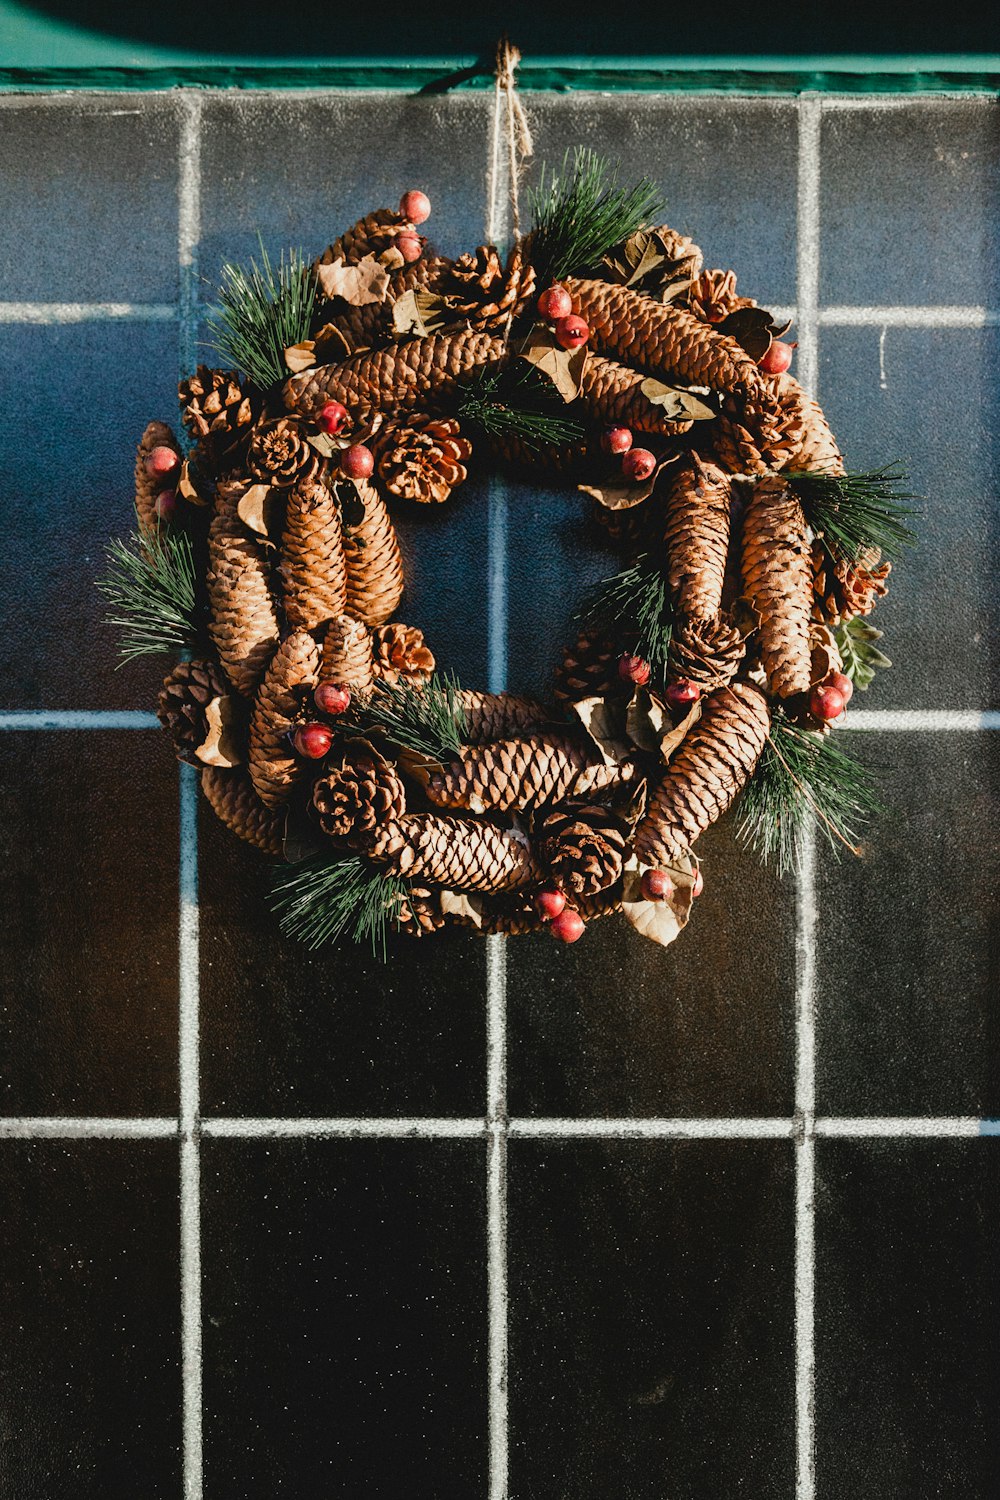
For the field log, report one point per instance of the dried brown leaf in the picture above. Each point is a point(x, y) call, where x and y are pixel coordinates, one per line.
point(678, 403)
point(220, 747)
point(617, 496)
point(419, 311)
point(463, 904)
point(563, 367)
point(331, 344)
point(258, 508)
point(676, 733)
point(359, 284)
point(660, 921)
point(753, 328)
point(299, 357)
point(603, 722)
point(186, 487)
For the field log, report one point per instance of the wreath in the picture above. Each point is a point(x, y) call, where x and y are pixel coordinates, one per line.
point(710, 668)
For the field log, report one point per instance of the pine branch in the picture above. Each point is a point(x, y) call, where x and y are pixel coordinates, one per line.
point(581, 212)
point(323, 899)
point(853, 512)
point(504, 405)
point(261, 312)
point(633, 604)
point(150, 585)
point(803, 780)
point(428, 719)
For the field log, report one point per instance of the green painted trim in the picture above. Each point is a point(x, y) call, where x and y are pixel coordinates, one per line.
point(847, 75)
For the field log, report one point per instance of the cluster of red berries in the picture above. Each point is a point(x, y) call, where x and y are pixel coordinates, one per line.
point(637, 463)
point(356, 461)
point(163, 465)
point(556, 306)
point(636, 669)
point(829, 698)
point(416, 207)
point(313, 740)
point(565, 924)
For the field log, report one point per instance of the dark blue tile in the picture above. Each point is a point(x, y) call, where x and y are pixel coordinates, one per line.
point(345, 1320)
point(89, 184)
point(909, 963)
point(651, 1347)
point(91, 1350)
point(90, 924)
point(907, 1372)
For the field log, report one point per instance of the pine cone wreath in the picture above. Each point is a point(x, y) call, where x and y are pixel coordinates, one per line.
point(584, 846)
point(216, 410)
point(524, 774)
point(188, 689)
point(400, 654)
point(354, 798)
point(424, 460)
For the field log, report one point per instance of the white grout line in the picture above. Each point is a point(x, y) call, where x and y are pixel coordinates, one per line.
point(188, 236)
point(57, 1128)
point(807, 302)
point(46, 718)
point(922, 719)
point(402, 1128)
point(909, 1128)
point(652, 1129)
point(50, 313)
point(908, 317)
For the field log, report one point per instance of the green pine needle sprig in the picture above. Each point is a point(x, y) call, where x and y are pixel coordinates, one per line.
point(150, 586)
point(261, 312)
point(635, 605)
point(426, 718)
point(580, 212)
point(853, 512)
point(803, 781)
point(513, 406)
point(324, 898)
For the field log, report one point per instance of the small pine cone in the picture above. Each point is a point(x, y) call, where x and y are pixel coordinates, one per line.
point(705, 652)
point(371, 325)
point(400, 654)
point(292, 674)
point(778, 581)
point(589, 669)
point(215, 410)
point(584, 847)
point(480, 288)
point(148, 486)
point(371, 235)
point(420, 374)
point(236, 804)
point(420, 913)
point(313, 571)
point(684, 257)
point(713, 296)
point(843, 590)
point(187, 691)
point(523, 774)
point(355, 798)
point(498, 716)
point(423, 460)
point(800, 439)
point(462, 854)
point(347, 654)
point(707, 772)
point(611, 394)
point(374, 564)
point(280, 456)
point(242, 621)
point(696, 534)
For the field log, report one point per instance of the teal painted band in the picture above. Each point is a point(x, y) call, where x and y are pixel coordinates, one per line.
point(880, 77)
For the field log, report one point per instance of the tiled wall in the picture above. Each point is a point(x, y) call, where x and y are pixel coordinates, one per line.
point(605, 1223)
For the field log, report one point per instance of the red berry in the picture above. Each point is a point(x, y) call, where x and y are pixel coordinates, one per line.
point(656, 885)
point(778, 358)
point(699, 882)
point(825, 702)
point(410, 247)
point(616, 439)
point(415, 206)
point(572, 332)
point(162, 461)
point(633, 669)
point(555, 303)
point(680, 694)
point(313, 740)
point(843, 684)
point(331, 698)
point(332, 418)
point(568, 926)
point(357, 461)
point(165, 505)
point(638, 464)
point(550, 904)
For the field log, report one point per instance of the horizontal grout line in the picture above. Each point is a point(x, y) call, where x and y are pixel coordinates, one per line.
point(922, 719)
point(57, 1127)
point(908, 317)
point(86, 312)
point(73, 718)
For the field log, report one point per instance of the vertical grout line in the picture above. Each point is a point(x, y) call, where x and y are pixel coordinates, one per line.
point(496, 951)
point(188, 235)
point(807, 300)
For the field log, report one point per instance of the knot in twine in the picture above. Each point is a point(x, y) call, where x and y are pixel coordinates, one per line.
point(511, 121)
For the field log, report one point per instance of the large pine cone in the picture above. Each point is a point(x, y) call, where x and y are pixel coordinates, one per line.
point(400, 654)
point(462, 854)
point(279, 455)
point(778, 581)
point(424, 460)
point(347, 653)
point(584, 846)
point(215, 410)
point(482, 289)
point(705, 652)
point(696, 533)
point(713, 296)
point(362, 792)
point(236, 804)
point(589, 669)
point(187, 691)
point(525, 773)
